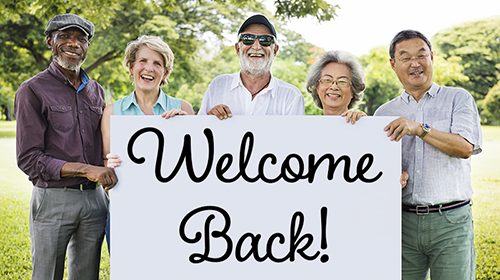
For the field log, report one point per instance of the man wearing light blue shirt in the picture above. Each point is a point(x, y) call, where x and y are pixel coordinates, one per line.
point(440, 129)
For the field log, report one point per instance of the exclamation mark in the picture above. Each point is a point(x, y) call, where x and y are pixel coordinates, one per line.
point(324, 244)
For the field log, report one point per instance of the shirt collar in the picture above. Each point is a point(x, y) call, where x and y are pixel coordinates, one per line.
point(432, 92)
point(132, 101)
point(162, 100)
point(238, 82)
point(60, 76)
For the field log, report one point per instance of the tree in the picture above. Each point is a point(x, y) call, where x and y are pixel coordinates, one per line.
point(183, 24)
point(448, 72)
point(491, 112)
point(477, 43)
point(6, 101)
point(382, 82)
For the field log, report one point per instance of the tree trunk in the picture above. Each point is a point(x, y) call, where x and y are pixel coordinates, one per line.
point(9, 116)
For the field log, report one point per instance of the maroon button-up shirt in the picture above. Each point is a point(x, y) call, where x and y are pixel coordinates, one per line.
point(57, 124)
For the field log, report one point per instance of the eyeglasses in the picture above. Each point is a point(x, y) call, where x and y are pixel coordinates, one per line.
point(419, 58)
point(340, 83)
point(249, 39)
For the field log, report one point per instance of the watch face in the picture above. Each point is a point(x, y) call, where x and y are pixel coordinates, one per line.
point(427, 127)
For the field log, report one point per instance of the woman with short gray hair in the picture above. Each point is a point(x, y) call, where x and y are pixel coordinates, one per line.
point(336, 82)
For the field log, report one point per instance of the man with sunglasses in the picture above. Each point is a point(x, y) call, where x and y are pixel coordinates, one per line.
point(254, 90)
point(440, 129)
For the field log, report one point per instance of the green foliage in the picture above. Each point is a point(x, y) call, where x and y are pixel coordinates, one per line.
point(6, 101)
point(448, 72)
point(491, 104)
point(466, 55)
point(189, 27)
point(478, 45)
point(294, 47)
point(382, 82)
point(293, 72)
point(323, 11)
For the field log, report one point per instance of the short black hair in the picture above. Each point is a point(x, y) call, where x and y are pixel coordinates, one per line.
point(406, 35)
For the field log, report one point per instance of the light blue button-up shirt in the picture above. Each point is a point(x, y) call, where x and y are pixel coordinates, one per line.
point(436, 177)
point(129, 105)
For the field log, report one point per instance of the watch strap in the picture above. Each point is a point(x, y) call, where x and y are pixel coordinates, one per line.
point(426, 129)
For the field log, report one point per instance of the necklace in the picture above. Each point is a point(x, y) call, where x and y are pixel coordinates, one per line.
point(254, 94)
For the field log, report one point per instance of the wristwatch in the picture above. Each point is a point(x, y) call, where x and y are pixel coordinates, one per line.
point(426, 129)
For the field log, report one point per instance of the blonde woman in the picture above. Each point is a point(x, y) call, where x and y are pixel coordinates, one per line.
point(149, 61)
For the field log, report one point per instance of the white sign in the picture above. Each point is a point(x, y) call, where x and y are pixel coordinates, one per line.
point(255, 197)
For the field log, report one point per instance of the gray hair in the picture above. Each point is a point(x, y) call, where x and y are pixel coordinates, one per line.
point(154, 43)
point(358, 75)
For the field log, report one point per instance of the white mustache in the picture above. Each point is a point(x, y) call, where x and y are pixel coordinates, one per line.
point(256, 52)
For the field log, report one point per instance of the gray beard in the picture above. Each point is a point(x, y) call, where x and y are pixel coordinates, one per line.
point(68, 66)
point(256, 69)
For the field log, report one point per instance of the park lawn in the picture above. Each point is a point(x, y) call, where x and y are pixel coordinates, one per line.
point(15, 193)
point(486, 208)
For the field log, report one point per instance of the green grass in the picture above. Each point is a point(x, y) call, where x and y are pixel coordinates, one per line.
point(15, 193)
point(7, 129)
point(486, 209)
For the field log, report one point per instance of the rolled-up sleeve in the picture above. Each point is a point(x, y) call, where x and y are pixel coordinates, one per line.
point(466, 121)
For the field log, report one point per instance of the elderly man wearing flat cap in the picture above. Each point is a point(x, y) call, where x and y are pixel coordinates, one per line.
point(254, 90)
point(58, 139)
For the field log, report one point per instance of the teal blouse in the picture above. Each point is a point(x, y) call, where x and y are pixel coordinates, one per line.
point(129, 106)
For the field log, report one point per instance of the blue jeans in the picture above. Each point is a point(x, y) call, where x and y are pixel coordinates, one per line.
point(441, 243)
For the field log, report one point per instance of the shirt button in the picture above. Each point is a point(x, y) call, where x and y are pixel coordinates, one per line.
point(416, 194)
point(83, 130)
point(418, 109)
point(418, 171)
point(418, 150)
point(81, 111)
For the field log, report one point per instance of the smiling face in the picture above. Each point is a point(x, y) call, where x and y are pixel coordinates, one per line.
point(69, 48)
point(256, 59)
point(415, 74)
point(147, 70)
point(335, 99)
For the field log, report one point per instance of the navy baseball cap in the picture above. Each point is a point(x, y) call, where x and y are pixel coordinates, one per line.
point(65, 21)
point(258, 19)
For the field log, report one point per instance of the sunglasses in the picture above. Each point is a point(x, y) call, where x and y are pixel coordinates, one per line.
point(264, 40)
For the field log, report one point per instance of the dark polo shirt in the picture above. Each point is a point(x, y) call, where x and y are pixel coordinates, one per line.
point(57, 124)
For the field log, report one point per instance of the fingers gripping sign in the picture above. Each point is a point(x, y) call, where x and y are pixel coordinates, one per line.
point(404, 179)
point(221, 111)
point(353, 116)
point(172, 113)
point(401, 127)
point(113, 160)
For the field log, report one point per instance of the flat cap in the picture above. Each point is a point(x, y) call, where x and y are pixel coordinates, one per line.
point(65, 21)
point(258, 19)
